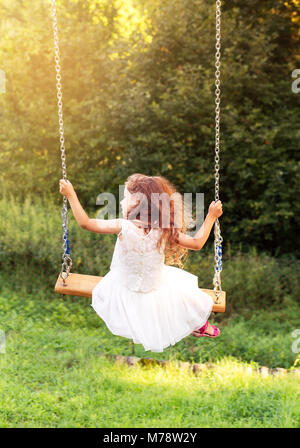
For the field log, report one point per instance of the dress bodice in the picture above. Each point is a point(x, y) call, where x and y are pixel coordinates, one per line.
point(137, 257)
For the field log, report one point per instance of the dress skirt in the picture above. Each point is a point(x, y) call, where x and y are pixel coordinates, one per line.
point(158, 318)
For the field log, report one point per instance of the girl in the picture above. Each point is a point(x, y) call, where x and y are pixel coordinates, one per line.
point(141, 297)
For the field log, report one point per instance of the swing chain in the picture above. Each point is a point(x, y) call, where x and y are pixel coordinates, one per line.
point(66, 259)
point(217, 230)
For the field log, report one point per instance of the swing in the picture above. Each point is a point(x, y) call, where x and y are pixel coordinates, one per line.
point(82, 285)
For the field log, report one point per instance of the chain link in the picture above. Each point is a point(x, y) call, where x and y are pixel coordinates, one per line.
point(217, 230)
point(66, 259)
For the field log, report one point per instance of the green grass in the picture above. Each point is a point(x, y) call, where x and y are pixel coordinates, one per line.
point(53, 373)
point(263, 337)
point(56, 378)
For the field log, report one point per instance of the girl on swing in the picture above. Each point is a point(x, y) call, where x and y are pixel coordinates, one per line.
point(141, 297)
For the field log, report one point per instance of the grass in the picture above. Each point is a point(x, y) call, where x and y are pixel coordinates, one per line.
point(52, 378)
point(28, 298)
point(53, 373)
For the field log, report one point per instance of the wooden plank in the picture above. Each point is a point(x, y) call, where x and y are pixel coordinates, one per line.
point(217, 307)
point(83, 285)
point(77, 285)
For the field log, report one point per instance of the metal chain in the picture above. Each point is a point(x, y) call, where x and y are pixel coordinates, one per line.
point(217, 230)
point(66, 259)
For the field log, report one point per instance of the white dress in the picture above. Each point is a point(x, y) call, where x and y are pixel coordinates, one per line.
point(145, 300)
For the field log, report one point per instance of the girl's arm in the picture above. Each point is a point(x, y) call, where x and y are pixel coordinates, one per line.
point(198, 241)
point(93, 225)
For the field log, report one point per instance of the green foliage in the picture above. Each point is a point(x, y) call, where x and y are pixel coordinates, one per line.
point(252, 281)
point(31, 231)
point(138, 90)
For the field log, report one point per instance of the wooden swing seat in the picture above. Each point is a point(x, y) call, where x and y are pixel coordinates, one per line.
point(83, 285)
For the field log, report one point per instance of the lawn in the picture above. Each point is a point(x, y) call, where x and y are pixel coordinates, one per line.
point(54, 374)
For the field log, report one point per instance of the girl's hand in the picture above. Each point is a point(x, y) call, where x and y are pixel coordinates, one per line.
point(66, 188)
point(215, 209)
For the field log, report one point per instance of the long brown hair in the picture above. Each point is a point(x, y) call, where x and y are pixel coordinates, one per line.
point(165, 210)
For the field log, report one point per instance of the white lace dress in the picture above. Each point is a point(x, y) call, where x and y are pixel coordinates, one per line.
point(145, 300)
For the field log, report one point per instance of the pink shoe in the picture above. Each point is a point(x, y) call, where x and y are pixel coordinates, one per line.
point(204, 334)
